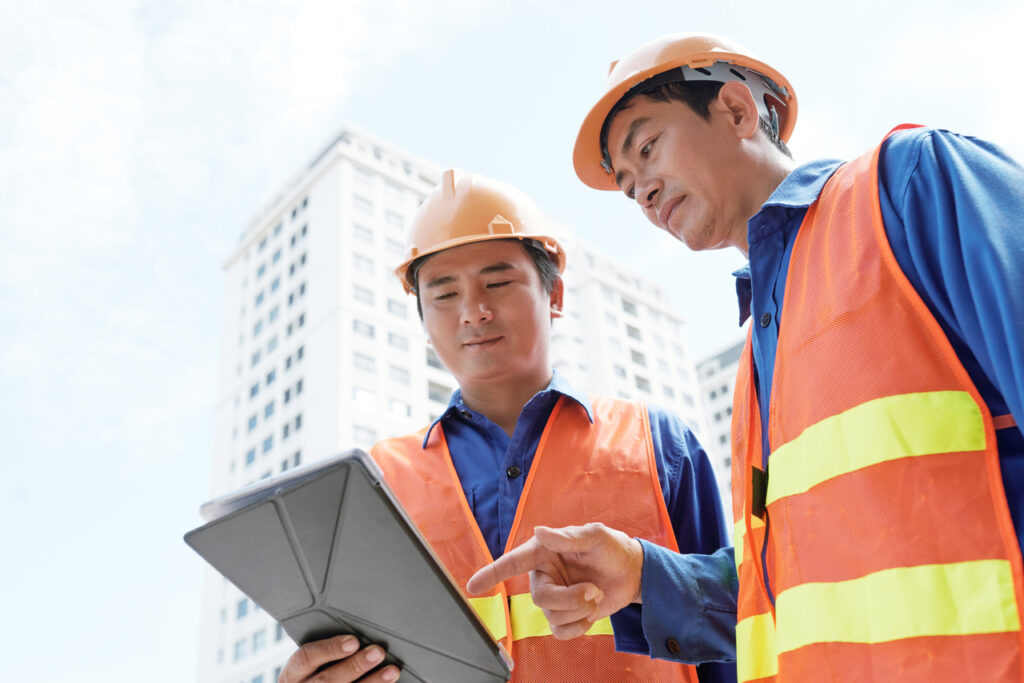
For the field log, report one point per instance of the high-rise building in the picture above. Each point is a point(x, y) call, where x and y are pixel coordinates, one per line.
point(323, 350)
point(717, 375)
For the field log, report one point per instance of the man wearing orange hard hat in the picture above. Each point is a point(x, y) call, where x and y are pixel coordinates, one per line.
point(878, 461)
point(519, 447)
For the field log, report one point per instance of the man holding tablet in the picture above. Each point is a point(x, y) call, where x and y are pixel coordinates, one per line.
point(519, 447)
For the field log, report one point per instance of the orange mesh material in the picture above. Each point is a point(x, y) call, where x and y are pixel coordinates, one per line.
point(581, 473)
point(855, 330)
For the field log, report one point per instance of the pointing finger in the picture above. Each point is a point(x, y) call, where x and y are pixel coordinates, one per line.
point(521, 560)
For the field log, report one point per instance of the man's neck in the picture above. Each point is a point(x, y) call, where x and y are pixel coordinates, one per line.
point(501, 402)
point(770, 171)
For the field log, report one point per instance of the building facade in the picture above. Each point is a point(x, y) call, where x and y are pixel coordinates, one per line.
point(717, 377)
point(324, 351)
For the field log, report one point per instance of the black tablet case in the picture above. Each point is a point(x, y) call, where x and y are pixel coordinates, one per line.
point(326, 549)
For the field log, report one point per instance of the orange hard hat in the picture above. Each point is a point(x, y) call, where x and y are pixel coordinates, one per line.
point(468, 208)
point(689, 58)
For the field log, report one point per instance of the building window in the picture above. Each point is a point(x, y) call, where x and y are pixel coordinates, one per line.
point(302, 289)
point(255, 357)
point(399, 375)
point(250, 456)
point(259, 299)
point(274, 312)
point(268, 410)
point(362, 295)
point(287, 395)
point(242, 608)
point(633, 332)
point(397, 308)
point(438, 392)
point(261, 270)
point(363, 395)
point(302, 259)
point(298, 422)
point(398, 341)
point(399, 409)
point(432, 359)
point(363, 436)
point(278, 228)
point(723, 439)
point(362, 205)
point(361, 361)
point(362, 233)
point(394, 219)
point(363, 329)
point(259, 641)
point(276, 257)
point(363, 264)
point(257, 328)
point(297, 459)
point(288, 363)
point(302, 319)
point(668, 391)
point(638, 357)
point(305, 229)
point(284, 430)
point(252, 421)
point(298, 387)
point(298, 353)
point(628, 307)
point(278, 629)
point(268, 443)
point(643, 384)
point(240, 649)
point(254, 389)
point(620, 371)
point(271, 376)
point(275, 283)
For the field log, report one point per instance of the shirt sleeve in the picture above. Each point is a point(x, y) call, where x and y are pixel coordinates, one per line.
point(953, 209)
point(688, 596)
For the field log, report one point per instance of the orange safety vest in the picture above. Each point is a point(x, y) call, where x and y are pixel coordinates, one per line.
point(881, 526)
point(581, 472)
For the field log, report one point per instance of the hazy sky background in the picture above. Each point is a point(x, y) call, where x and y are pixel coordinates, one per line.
point(138, 138)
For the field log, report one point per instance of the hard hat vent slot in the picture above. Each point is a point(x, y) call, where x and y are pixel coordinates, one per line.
point(738, 75)
point(500, 225)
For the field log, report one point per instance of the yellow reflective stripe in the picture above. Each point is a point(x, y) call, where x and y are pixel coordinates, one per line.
point(528, 620)
point(877, 431)
point(959, 598)
point(755, 648)
point(739, 532)
point(491, 610)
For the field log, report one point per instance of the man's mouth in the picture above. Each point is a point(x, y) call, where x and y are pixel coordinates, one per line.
point(482, 342)
point(665, 215)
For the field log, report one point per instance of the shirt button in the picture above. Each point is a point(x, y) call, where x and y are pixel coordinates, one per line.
point(673, 645)
point(513, 472)
point(766, 319)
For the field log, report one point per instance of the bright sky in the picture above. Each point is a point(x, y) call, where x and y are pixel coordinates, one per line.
point(138, 138)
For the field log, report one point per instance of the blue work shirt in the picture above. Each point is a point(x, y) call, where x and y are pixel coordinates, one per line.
point(953, 209)
point(493, 468)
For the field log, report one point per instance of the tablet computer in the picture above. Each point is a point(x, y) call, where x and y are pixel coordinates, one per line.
point(326, 549)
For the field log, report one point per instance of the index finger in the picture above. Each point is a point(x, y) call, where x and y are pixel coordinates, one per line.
point(521, 560)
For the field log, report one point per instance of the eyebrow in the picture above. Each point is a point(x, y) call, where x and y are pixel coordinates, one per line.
point(628, 142)
point(448, 279)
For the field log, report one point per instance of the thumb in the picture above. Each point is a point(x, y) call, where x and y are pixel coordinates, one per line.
point(569, 539)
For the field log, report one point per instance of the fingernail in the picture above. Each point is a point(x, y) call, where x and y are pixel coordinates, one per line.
point(349, 646)
point(591, 593)
point(389, 674)
point(375, 655)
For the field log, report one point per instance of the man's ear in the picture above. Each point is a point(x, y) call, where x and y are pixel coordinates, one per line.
point(557, 292)
point(736, 103)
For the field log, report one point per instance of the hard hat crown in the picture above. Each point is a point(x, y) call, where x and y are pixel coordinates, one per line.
point(466, 208)
point(700, 57)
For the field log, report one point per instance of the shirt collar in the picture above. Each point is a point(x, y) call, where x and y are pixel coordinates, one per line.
point(558, 386)
point(798, 190)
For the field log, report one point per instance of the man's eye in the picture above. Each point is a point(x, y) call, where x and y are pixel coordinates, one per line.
point(630, 193)
point(646, 149)
point(442, 297)
point(492, 285)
